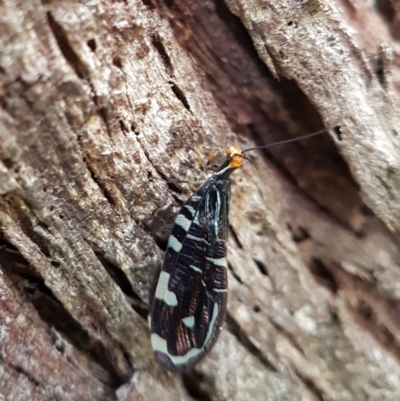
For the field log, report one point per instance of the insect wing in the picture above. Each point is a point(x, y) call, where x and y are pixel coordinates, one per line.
point(189, 303)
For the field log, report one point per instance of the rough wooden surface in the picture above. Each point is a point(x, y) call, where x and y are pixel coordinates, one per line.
point(108, 109)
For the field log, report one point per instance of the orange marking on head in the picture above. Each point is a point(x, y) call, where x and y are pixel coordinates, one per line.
point(236, 156)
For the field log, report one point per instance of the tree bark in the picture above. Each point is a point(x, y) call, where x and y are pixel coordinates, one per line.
point(108, 109)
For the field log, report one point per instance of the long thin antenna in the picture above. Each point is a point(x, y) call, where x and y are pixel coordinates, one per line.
point(287, 140)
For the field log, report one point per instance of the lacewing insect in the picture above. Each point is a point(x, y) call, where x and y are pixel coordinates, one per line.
point(188, 306)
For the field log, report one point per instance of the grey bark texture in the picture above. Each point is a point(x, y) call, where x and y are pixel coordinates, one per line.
point(108, 109)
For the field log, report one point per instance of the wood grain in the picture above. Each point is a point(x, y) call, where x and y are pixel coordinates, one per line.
point(108, 109)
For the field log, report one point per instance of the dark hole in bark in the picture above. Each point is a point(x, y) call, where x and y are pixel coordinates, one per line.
point(323, 275)
point(299, 233)
point(261, 267)
point(180, 96)
point(117, 62)
point(123, 127)
point(158, 45)
point(338, 132)
point(65, 47)
point(92, 45)
point(235, 237)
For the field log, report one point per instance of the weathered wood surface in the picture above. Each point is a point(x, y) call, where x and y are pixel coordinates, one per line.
point(105, 108)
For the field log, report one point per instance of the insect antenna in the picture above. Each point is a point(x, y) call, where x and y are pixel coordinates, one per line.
point(286, 140)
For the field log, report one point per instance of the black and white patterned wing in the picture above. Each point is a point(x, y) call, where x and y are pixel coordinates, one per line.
point(188, 307)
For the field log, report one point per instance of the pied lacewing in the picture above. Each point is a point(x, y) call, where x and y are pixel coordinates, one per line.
point(188, 306)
